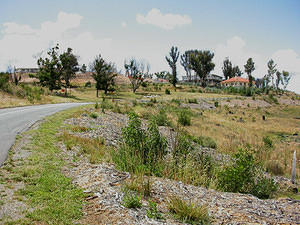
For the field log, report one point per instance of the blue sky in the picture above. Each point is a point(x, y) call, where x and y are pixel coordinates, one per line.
point(147, 29)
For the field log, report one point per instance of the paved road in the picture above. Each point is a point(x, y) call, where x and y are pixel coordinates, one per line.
point(17, 120)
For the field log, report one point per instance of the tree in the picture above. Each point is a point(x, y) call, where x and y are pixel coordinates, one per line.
point(135, 72)
point(236, 71)
point(49, 74)
point(83, 68)
point(271, 71)
point(278, 80)
point(104, 74)
point(201, 63)
point(15, 77)
point(185, 62)
point(69, 67)
point(285, 79)
point(227, 69)
point(249, 68)
point(174, 54)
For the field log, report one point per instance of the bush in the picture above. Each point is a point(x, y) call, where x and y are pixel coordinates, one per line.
point(192, 100)
point(161, 118)
point(167, 91)
point(205, 141)
point(188, 212)
point(131, 200)
point(88, 84)
point(94, 115)
point(4, 77)
point(153, 212)
point(184, 118)
point(142, 150)
point(245, 176)
point(216, 104)
point(268, 142)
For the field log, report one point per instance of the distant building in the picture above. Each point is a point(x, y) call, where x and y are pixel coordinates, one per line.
point(236, 82)
point(213, 80)
point(27, 70)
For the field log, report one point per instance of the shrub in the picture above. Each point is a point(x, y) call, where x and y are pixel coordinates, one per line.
point(205, 141)
point(268, 142)
point(88, 84)
point(153, 100)
point(4, 77)
point(177, 101)
point(192, 100)
point(97, 105)
point(152, 212)
point(245, 176)
point(184, 118)
point(167, 91)
point(161, 118)
point(188, 212)
point(94, 115)
point(131, 200)
point(142, 150)
point(216, 104)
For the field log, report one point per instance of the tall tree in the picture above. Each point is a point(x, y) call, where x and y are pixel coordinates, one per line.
point(249, 68)
point(174, 54)
point(49, 74)
point(69, 67)
point(14, 76)
point(286, 76)
point(135, 72)
point(104, 74)
point(227, 68)
point(271, 71)
point(201, 63)
point(236, 71)
point(278, 80)
point(185, 62)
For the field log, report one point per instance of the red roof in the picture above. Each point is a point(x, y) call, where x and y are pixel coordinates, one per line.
point(235, 79)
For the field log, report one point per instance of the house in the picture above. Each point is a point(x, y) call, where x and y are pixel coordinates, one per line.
point(236, 82)
point(213, 80)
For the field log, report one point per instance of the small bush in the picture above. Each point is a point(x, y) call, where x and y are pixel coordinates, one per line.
point(134, 103)
point(192, 100)
point(94, 115)
point(152, 212)
point(131, 200)
point(268, 142)
point(184, 118)
point(245, 176)
point(188, 212)
point(205, 141)
point(161, 118)
point(88, 84)
point(216, 104)
point(167, 91)
point(97, 105)
point(153, 100)
point(177, 101)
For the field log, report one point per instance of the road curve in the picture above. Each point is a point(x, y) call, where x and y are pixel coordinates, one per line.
point(16, 120)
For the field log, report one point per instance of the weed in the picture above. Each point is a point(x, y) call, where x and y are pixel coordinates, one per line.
point(161, 118)
point(168, 92)
point(192, 100)
point(268, 142)
point(188, 212)
point(216, 104)
point(131, 200)
point(94, 115)
point(184, 118)
point(152, 212)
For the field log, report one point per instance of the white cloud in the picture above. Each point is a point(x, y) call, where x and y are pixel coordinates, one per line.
point(123, 24)
point(165, 21)
point(21, 42)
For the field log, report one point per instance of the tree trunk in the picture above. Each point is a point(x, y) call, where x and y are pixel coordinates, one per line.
point(97, 93)
point(294, 168)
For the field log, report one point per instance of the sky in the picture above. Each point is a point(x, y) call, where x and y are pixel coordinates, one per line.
point(146, 30)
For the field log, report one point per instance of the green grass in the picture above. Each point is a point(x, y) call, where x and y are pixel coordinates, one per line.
point(52, 195)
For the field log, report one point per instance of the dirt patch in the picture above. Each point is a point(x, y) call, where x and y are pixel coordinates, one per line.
point(245, 103)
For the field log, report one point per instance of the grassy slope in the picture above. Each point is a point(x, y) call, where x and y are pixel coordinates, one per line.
point(52, 195)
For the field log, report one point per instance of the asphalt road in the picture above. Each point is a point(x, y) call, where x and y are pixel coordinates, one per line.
point(16, 120)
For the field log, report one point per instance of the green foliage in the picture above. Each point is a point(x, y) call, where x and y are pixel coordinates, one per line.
point(161, 118)
point(174, 54)
point(245, 176)
point(94, 115)
point(192, 100)
point(249, 68)
point(139, 184)
point(188, 212)
point(104, 74)
point(184, 118)
point(204, 141)
point(142, 150)
point(268, 142)
point(216, 104)
point(135, 72)
point(88, 84)
point(167, 91)
point(152, 212)
point(131, 200)
point(4, 77)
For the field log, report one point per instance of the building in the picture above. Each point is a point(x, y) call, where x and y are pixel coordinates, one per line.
point(213, 80)
point(236, 82)
point(27, 70)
